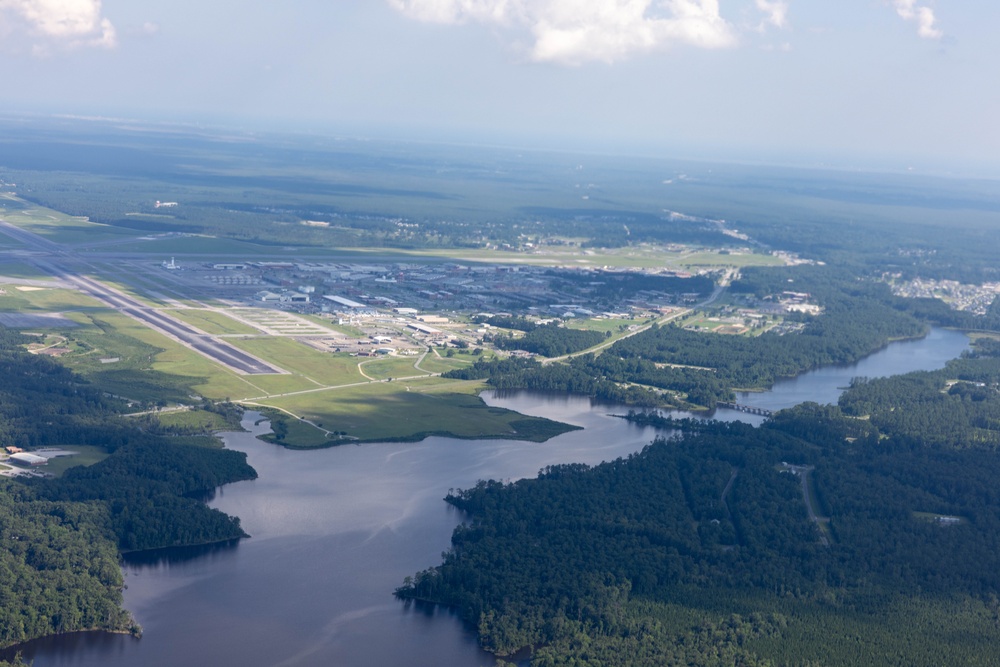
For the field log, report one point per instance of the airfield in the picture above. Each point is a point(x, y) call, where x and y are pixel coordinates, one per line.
point(333, 340)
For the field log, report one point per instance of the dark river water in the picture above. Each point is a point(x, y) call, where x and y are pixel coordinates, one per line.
point(336, 530)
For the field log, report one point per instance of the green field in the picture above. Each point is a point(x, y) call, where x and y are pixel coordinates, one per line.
point(24, 299)
point(319, 368)
point(409, 411)
point(433, 363)
point(383, 368)
point(213, 322)
point(15, 269)
point(128, 359)
point(193, 421)
point(59, 227)
point(85, 456)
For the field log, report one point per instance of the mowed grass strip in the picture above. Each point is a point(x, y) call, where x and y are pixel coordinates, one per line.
point(15, 269)
point(46, 300)
point(435, 364)
point(61, 228)
point(213, 322)
point(324, 368)
point(383, 368)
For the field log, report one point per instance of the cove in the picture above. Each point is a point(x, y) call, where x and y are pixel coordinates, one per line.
point(336, 530)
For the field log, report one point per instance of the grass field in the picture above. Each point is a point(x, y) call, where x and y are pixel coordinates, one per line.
point(14, 269)
point(435, 364)
point(45, 300)
point(194, 420)
point(322, 368)
point(85, 456)
point(408, 411)
point(383, 368)
point(59, 227)
point(213, 322)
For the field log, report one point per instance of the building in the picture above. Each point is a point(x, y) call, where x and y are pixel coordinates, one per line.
point(26, 459)
point(345, 303)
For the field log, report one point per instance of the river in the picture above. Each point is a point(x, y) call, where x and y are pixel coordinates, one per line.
point(336, 530)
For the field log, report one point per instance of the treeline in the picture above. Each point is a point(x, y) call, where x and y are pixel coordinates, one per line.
point(586, 561)
point(955, 407)
point(148, 488)
point(514, 373)
point(550, 340)
point(62, 537)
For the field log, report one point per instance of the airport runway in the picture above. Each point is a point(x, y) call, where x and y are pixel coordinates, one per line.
point(208, 345)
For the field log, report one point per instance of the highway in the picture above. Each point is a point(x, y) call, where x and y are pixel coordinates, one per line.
point(209, 346)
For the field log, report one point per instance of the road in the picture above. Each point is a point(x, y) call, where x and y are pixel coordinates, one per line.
point(55, 260)
point(716, 293)
point(803, 472)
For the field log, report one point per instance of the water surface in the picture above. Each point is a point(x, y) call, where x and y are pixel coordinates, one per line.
point(336, 530)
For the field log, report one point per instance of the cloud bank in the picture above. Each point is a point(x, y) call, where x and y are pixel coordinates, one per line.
point(70, 23)
point(573, 32)
point(923, 16)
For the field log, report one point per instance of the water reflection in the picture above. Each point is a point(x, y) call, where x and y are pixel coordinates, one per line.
point(137, 560)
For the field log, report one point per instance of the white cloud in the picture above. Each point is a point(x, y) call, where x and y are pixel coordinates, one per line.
point(775, 12)
point(69, 22)
point(923, 16)
point(576, 31)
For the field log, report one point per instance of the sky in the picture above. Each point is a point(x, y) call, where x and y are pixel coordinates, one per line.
point(895, 83)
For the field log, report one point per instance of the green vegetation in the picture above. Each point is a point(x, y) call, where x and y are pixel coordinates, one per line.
point(629, 562)
point(60, 568)
point(432, 363)
point(695, 551)
point(13, 269)
point(672, 366)
point(405, 411)
point(213, 322)
point(126, 489)
point(195, 421)
point(550, 341)
point(83, 455)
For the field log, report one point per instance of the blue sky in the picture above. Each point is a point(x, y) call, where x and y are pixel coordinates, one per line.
point(892, 83)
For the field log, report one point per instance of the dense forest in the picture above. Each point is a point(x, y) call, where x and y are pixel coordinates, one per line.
point(548, 341)
point(817, 538)
point(64, 535)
